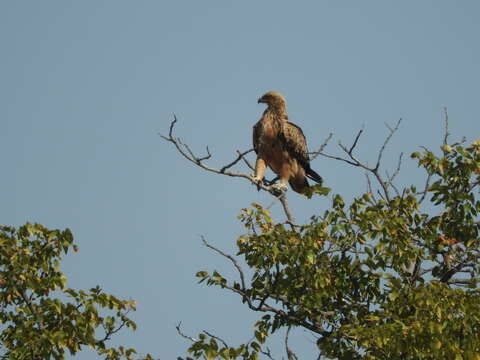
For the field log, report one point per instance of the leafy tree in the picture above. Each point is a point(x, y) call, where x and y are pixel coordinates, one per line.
point(393, 274)
point(41, 317)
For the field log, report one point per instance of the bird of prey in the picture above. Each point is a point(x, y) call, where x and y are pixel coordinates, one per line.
point(281, 145)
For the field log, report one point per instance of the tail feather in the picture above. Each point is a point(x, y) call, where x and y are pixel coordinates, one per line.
point(314, 176)
point(298, 184)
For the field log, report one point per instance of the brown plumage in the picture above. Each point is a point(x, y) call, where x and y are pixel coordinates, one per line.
point(281, 145)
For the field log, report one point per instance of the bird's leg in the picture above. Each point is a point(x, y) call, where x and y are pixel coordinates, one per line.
point(285, 172)
point(281, 185)
point(260, 167)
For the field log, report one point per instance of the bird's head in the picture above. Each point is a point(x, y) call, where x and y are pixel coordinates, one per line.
point(273, 99)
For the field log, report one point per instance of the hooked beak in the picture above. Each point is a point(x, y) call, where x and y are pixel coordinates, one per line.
point(260, 100)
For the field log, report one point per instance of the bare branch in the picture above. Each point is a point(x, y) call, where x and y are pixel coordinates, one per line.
point(447, 132)
point(382, 149)
point(229, 257)
point(192, 339)
point(245, 160)
point(216, 337)
point(290, 354)
point(460, 142)
point(340, 159)
point(425, 190)
point(356, 140)
point(188, 154)
point(239, 157)
point(267, 353)
point(369, 183)
point(286, 209)
point(315, 154)
point(397, 170)
point(283, 200)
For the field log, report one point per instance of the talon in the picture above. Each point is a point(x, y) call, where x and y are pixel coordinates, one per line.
point(280, 187)
point(257, 181)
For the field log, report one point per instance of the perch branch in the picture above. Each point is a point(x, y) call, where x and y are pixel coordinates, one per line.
point(188, 154)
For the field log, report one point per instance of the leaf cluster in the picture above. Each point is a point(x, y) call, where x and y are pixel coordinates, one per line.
point(376, 279)
point(41, 317)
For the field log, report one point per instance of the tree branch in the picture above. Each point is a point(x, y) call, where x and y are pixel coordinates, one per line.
point(188, 154)
point(290, 354)
point(216, 337)
point(179, 331)
point(229, 257)
point(351, 159)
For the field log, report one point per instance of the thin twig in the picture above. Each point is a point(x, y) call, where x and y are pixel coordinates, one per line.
point(290, 354)
point(192, 339)
point(397, 170)
point(229, 257)
point(245, 160)
point(239, 157)
point(315, 154)
point(356, 140)
point(267, 353)
point(108, 334)
point(447, 132)
point(425, 190)
point(382, 149)
point(216, 337)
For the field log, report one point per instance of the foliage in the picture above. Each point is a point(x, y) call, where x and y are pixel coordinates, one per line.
point(42, 318)
point(388, 277)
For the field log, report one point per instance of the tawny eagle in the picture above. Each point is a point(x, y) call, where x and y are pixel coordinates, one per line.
point(282, 146)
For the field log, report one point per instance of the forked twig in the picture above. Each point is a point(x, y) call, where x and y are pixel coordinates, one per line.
point(351, 159)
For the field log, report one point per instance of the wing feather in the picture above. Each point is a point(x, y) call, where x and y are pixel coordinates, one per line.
point(295, 143)
point(256, 136)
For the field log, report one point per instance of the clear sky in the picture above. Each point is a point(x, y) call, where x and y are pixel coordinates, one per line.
point(85, 87)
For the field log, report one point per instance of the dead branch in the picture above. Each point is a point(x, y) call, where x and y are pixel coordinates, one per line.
point(356, 140)
point(397, 170)
point(315, 154)
point(351, 159)
point(245, 160)
point(239, 157)
point(382, 149)
point(179, 331)
point(188, 154)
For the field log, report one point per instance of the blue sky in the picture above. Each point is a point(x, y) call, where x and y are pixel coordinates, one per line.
point(85, 88)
